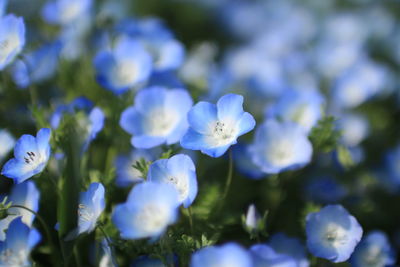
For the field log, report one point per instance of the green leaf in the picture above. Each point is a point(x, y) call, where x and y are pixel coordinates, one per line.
point(324, 136)
point(345, 157)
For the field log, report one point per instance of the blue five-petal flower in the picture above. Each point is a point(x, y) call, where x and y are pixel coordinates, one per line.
point(30, 156)
point(214, 128)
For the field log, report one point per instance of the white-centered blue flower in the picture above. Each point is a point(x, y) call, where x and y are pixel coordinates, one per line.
point(24, 194)
point(354, 128)
point(64, 12)
point(158, 117)
point(30, 156)
point(280, 146)
point(20, 240)
point(7, 142)
point(148, 211)
point(332, 233)
point(12, 38)
point(214, 128)
point(374, 250)
point(179, 171)
point(91, 205)
point(264, 255)
point(127, 65)
point(227, 255)
point(244, 162)
point(289, 246)
point(304, 107)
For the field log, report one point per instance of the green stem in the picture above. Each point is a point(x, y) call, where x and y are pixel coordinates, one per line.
point(108, 240)
point(190, 215)
point(228, 177)
point(46, 229)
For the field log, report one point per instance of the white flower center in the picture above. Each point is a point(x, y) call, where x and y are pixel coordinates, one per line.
point(32, 160)
point(69, 12)
point(373, 256)
point(84, 213)
point(181, 184)
point(152, 218)
point(222, 133)
point(280, 152)
point(335, 235)
point(11, 258)
point(161, 122)
point(125, 72)
point(8, 45)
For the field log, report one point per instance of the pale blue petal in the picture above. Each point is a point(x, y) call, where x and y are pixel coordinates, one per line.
point(26, 143)
point(150, 98)
point(246, 123)
point(230, 107)
point(201, 117)
point(131, 121)
point(144, 141)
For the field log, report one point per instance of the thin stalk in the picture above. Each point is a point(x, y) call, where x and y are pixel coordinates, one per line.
point(228, 183)
point(190, 215)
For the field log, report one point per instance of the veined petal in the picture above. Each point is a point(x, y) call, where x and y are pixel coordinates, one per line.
point(27, 143)
point(131, 121)
point(230, 107)
point(246, 123)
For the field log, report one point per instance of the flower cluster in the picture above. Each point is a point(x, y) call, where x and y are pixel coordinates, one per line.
point(154, 133)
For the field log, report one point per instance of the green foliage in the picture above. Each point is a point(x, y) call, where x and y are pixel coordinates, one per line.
point(324, 136)
point(142, 166)
point(345, 157)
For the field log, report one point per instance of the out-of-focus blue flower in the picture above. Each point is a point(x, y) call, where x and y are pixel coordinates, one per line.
point(359, 83)
point(300, 106)
point(65, 12)
point(24, 194)
point(280, 146)
point(19, 242)
point(107, 259)
point(148, 211)
point(3, 6)
point(214, 128)
point(167, 52)
point(30, 156)
point(229, 254)
point(374, 250)
point(354, 129)
point(126, 173)
point(332, 233)
point(12, 38)
point(325, 190)
point(158, 117)
point(264, 255)
point(91, 122)
point(91, 205)
point(145, 261)
point(37, 66)
point(79, 103)
point(126, 66)
point(179, 171)
point(391, 178)
point(292, 247)
point(7, 142)
point(244, 163)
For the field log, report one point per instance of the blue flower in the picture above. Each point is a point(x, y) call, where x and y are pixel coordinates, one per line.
point(12, 38)
point(19, 242)
point(64, 12)
point(126, 173)
point(374, 250)
point(126, 66)
point(244, 163)
point(325, 190)
point(167, 53)
point(227, 255)
point(300, 106)
point(354, 129)
point(36, 66)
point(332, 233)
point(158, 117)
point(280, 146)
point(24, 194)
point(79, 103)
point(264, 255)
point(94, 125)
point(30, 156)
point(150, 208)
point(179, 171)
point(214, 128)
point(91, 205)
point(292, 247)
point(3, 6)
point(7, 142)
